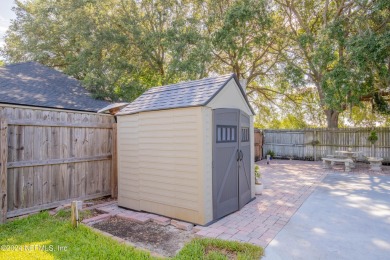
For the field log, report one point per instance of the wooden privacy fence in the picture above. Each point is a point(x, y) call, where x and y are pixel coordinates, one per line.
point(258, 144)
point(312, 144)
point(49, 157)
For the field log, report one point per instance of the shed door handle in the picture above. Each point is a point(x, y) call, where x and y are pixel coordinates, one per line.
point(241, 155)
point(237, 155)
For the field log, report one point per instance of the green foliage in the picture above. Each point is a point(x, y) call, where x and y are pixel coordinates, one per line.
point(270, 153)
point(257, 171)
point(363, 115)
point(211, 249)
point(65, 214)
point(344, 54)
point(373, 137)
point(277, 114)
point(315, 58)
point(257, 174)
point(381, 104)
point(315, 142)
point(242, 42)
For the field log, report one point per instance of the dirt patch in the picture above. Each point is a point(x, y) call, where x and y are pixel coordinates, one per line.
point(231, 255)
point(100, 200)
point(164, 240)
point(90, 213)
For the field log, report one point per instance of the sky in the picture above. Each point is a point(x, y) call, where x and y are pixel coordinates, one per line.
point(6, 14)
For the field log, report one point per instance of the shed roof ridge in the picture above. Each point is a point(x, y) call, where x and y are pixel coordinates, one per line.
point(192, 84)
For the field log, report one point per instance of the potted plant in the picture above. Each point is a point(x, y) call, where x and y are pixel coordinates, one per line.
point(269, 155)
point(258, 184)
point(372, 138)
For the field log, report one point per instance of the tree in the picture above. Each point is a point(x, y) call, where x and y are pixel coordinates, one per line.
point(304, 56)
point(323, 37)
point(118, 48)
point(242, 41)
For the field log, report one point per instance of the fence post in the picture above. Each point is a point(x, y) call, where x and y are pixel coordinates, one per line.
point(75, 207)
point(114, 160)
point(3, 169)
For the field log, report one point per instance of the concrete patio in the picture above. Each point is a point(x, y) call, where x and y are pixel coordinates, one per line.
point(307, 212)
point(346, 217)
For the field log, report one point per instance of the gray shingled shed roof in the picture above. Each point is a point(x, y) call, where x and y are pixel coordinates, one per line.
point(185, 94)
point(33, 84)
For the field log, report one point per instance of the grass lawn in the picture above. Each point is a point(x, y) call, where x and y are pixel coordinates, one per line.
point(210, 249)
point(42, 236)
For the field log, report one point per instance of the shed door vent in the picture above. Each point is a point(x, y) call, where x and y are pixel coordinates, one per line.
point(244, 134)
point(226, 133)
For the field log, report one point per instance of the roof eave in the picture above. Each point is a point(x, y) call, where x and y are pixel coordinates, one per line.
point(47, 107)
point(153, 110)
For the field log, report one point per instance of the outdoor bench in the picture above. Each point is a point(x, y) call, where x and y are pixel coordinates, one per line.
point(327, 163)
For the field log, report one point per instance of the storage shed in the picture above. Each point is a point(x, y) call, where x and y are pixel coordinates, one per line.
point(185, 150)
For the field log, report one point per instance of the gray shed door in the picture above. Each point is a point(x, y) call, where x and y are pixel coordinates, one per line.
point(231, 161)
point(244, 162)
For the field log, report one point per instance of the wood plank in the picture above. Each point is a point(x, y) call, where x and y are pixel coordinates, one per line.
point(28, 186)
point(71, 187)
point(32, 163)
point(38, 185)
point(55, 183)
point(10, 189)
point(55, 204)
point(90, 182)
point(24, 122)
point(81, 179)
point(106, 177)
point(3, 169)
point(63, 189)
point(46, 184)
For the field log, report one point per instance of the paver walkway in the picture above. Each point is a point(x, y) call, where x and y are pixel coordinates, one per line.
point(287, 186)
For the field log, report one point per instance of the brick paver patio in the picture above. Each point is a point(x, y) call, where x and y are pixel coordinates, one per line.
point(287, 185)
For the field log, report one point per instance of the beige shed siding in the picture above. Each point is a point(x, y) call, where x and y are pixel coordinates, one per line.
point(207, 189)
point(165, 163)
point(230, 97)
point(128, 165)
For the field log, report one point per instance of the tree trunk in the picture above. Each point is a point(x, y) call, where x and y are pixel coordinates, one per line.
point(332, 118)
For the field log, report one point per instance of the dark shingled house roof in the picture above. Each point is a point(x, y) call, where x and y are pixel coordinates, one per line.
point(33, 84)
point(184, 94)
